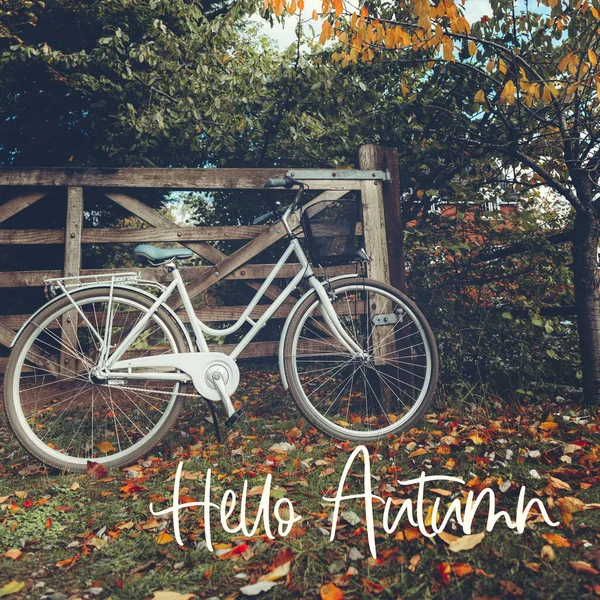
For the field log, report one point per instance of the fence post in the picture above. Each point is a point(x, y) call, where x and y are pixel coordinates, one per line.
point(392, 204)
point(374, 230)
point(72, 268)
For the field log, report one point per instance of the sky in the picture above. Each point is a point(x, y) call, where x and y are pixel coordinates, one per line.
point(285, 34)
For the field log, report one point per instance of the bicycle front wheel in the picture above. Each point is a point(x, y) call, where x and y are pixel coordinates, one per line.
point(361, 398)
point(61, 412)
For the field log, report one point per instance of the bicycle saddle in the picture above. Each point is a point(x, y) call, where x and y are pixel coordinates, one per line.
point(150, 255)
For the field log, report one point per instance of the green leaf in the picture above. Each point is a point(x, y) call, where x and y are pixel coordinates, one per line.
point(506, 315)
point(537, 321)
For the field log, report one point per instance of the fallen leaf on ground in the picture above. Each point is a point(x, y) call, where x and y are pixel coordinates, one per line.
point(556, 540)
point(11, 588)
point(447, 537)
point(168, 595)
point(96, 470)
point(466, 542)
point(330, 591)
point(163, 538)
point(547, 553)
point(461, 569)
point(257, 588)
point(14, 553)
point(583, 567)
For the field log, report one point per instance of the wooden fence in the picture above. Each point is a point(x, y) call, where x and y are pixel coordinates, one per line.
point(381, 227)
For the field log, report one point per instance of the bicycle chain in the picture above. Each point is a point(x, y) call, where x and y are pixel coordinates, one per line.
point(146, 390)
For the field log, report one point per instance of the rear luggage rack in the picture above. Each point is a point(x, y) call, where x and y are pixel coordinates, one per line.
point(52, 287)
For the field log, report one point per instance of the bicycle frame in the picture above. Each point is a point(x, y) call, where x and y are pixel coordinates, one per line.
point(199, 328)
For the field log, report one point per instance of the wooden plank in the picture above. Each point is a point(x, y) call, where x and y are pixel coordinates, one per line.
point(210, 314)
point(172, 179)
point(137, 235)
point(32, 236)
point(6, 335)
point(234, 261)
point(392, 205)
point(74, 226)
point(17, 204)
point(14, 279)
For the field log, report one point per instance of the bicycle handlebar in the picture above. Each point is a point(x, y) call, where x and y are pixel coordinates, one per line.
point(286, 182)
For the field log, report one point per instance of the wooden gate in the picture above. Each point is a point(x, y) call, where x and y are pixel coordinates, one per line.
point(381, 228)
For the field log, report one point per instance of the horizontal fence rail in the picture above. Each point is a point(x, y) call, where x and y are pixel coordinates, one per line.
point(376, 180)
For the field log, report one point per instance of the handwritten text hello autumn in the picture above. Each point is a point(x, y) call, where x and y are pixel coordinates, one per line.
point(284, 514)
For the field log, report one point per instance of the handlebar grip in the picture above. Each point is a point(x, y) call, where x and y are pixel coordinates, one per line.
point(286, 182)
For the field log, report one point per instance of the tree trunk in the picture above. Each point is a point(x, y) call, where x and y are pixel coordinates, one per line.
point(586, 280)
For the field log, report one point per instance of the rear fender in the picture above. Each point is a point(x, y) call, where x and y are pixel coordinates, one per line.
point(121, 287)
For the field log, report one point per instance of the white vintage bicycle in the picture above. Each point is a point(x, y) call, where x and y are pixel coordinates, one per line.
point(101, 371)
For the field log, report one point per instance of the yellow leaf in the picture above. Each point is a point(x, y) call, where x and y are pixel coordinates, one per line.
point(547, 553)
point(509, 91)
point(11, 588)
point(466, 542)
point(502, 67)
point(548, 426)
point(472, 49)
point(480, 97)
point(106, 447)
point(490, 66)
point(163, 538)
point(592, 57)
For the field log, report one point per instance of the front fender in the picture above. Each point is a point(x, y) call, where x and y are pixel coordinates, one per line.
point(122, 287)
point(287, 326)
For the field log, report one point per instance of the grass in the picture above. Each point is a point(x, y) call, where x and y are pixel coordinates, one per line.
point(79, 534)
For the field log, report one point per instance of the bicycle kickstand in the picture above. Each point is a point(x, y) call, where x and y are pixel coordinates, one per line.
point(232, 414)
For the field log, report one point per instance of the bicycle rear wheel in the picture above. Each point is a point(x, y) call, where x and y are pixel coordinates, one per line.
point(57, 409)
point(363, 398)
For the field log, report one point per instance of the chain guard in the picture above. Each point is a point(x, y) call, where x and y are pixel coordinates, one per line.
point(200, 366)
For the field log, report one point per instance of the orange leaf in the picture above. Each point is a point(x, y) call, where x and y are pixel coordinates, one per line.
point(15, 554)
point(163, 538)
point(556, 540)
point(461, 569)
point(549, 426)
point(331, 592)
point(583, 567)
point(106, 447)
point(419, 451)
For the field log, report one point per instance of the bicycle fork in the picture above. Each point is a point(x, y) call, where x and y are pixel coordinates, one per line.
point(331, 318)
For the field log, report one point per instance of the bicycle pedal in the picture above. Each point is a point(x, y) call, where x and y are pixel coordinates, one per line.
point(234, 417)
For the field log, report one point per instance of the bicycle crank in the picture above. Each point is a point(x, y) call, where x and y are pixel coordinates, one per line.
point(214, 375)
